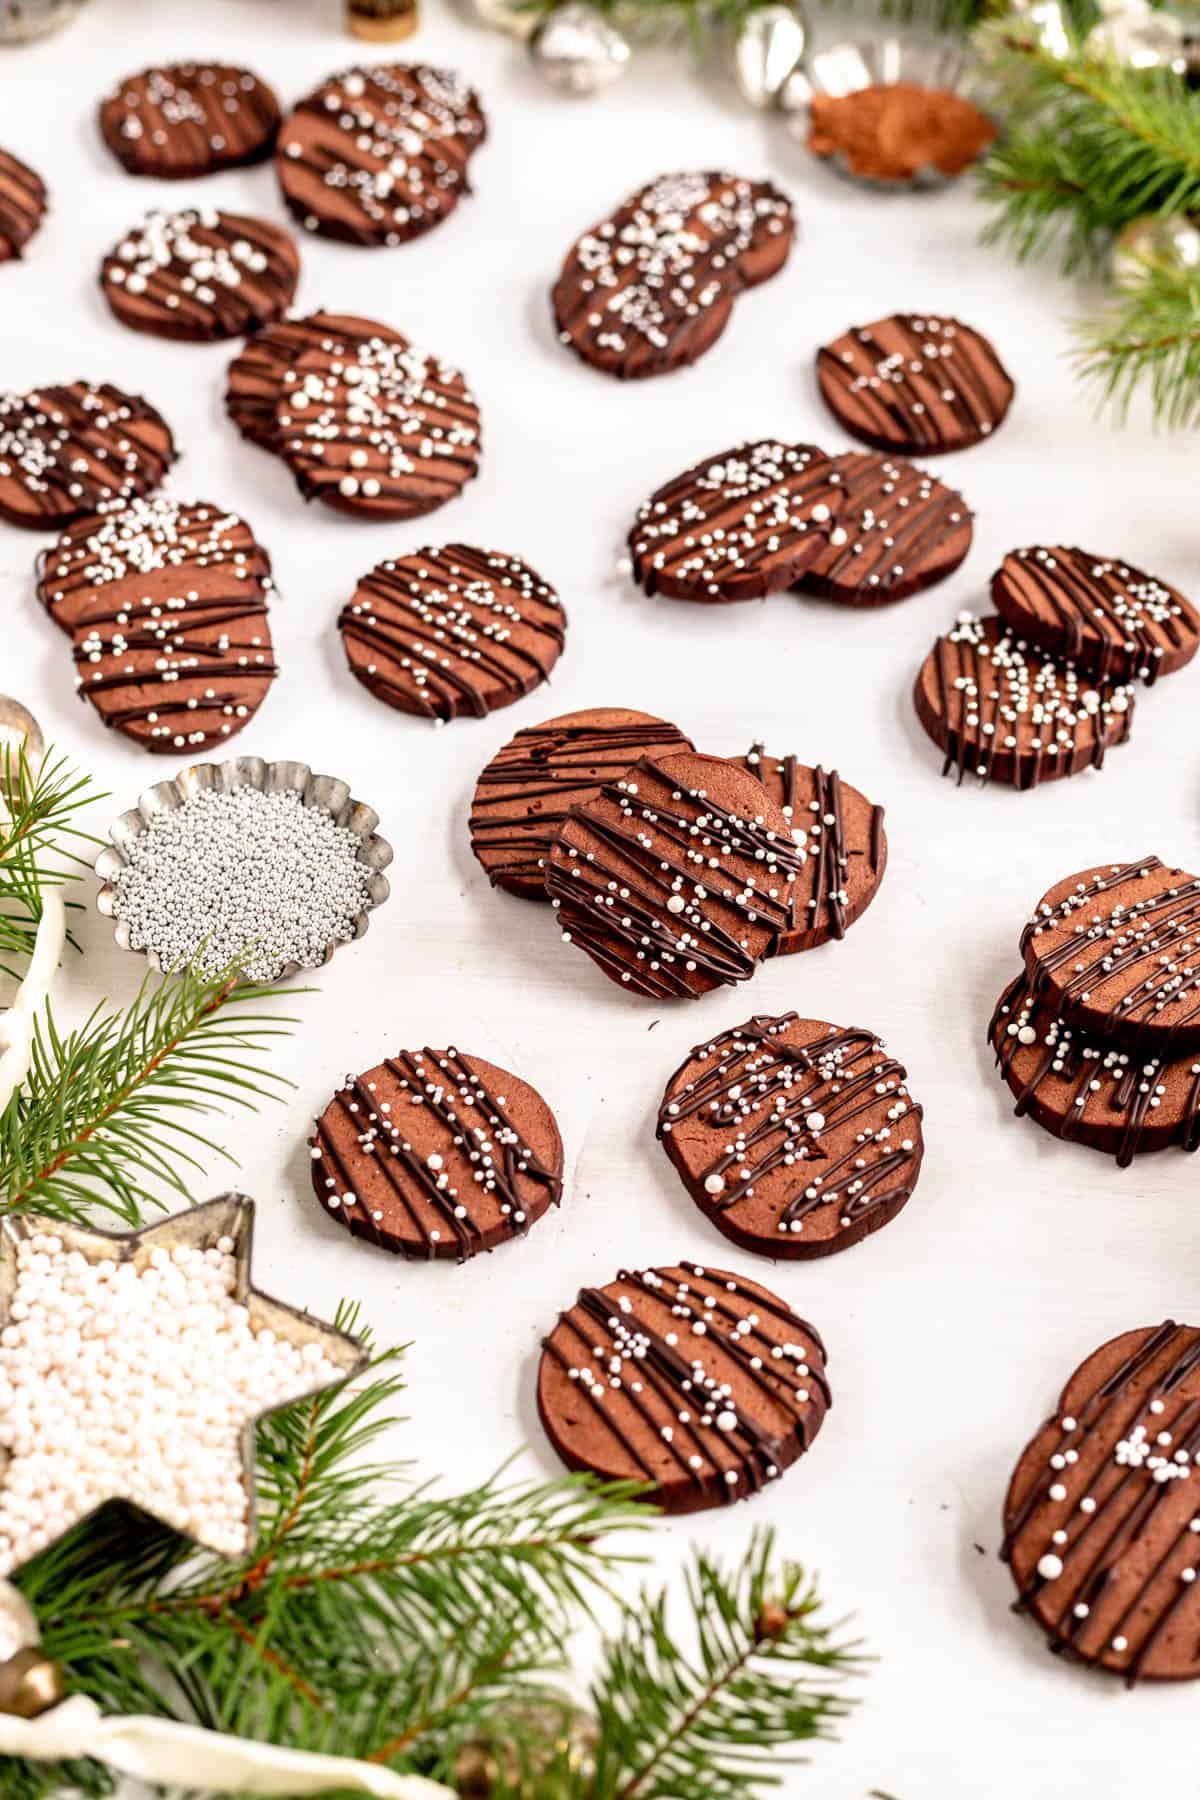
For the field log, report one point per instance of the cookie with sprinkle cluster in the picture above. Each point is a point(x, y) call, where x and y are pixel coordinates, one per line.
point(650, 288)
point(1111, 618)
point(200, 275)
point(76, 449)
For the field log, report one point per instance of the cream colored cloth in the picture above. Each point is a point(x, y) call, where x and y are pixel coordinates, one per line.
point(17, 1023)
point(159, 1750)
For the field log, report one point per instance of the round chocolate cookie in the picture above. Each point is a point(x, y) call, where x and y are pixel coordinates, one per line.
point(523, 797)
point(452, 632)
point(701, 1382)
point(77, 449)
point(184, 119)
point(23, 202)
point(379, 155)
point(257, 371)
point(914, 383)
point(651, 287)
point(677, 878)
point(157, 552)
point(794, 1137)
point(1005, 711)
point(379, 430)
point(1116, 951)
point(840, 836)
point(1087, 1091)
point(200, 275)
point(435, 1153)
point(179, 673)
point(900, 530)
point(1110, 617)
point(742, 524)
point(1102, 1517)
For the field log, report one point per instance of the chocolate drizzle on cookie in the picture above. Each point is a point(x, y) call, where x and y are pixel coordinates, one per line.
point(380, 430)
point(66, 451)
point(795, 1137)
point(1088, 1091)
point(186, 119)
point(1113, 619)
point(1005, 711)
point(739, 525)
point(703, 1383)
point(840, 838)
point(526, 792)
point(452, 632)
point(256, 373)
point(901, 530)
point(22, 205)
point(677, 878)
point(437, 1154)
point(200, 274)
point(1117, 950)
point(1102, 1518)
point(379, 155)
point(154, 549)
point(916, 384)
point(650, 288)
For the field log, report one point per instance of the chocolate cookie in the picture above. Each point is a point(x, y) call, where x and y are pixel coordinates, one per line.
point(452, 632)
point(1110, 617)
point(178, 672)
point(257, 371)
point(1102, 1517)
point(651, 287)
point(701, 1382)
point(1005, 711)
point(915, 383)
point(23, 202)
point(153, 552)
point(840, 836)
point(900, 530)
point(1088, 1091)
point(794, 1137)
point(524, 795)
point(1116, 951)
point(380, 430)
point(742, 524)
point(200, 275)
point(435, 1153)
point(66, 451)
point(185, 119)
point(379, 155)
point(677, 878)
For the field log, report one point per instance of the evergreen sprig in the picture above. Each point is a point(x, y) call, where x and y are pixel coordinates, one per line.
point(1150, 339)
point(109, 1112)
point(40, 841)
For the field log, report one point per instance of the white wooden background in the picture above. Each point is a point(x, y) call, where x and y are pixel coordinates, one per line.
point(950, 1332)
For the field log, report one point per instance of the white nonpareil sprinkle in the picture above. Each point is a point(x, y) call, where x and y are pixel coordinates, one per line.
point(241, 871)
point(134, 1380)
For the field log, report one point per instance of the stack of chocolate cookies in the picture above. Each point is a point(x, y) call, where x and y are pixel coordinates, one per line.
point(676, 872)
point(1099, 1036)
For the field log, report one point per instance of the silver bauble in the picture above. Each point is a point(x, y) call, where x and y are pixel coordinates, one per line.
point(19, 731)
point(769, 44)
point(1158, 243)
point(577, 50)
point(1047, 23)
point(1137, 36)
point(509, 16)
point(21, 20)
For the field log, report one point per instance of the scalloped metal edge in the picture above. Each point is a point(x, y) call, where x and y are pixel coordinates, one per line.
point(327, 792)
point(848, 67)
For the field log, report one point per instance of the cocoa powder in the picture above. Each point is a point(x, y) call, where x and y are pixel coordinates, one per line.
point(888, 133)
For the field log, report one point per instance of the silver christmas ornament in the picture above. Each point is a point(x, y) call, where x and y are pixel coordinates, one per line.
point(769, 44)
point(21, 20)
point(1048, 25)
point(1136, 35)
point(1154, 244)
point(19, 730)
point(577, 50)
point(509, 16)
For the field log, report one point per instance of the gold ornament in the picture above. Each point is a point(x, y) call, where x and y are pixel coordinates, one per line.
point(558, 1735)
point(29, 1682)
point(382, 21)
point(1157, 243)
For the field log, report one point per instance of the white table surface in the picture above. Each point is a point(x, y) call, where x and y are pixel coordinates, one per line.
point(950, 1332)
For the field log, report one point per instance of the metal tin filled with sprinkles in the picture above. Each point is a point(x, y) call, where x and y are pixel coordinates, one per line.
point(307, 857)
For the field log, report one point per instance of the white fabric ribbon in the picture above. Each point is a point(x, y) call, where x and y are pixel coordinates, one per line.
point(164, 1751)
point(17, 1024)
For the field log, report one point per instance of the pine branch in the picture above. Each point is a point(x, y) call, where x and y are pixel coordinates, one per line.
point(1152, 338)
point(108, 1112)
point(39, 844)
point(768, 1672)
